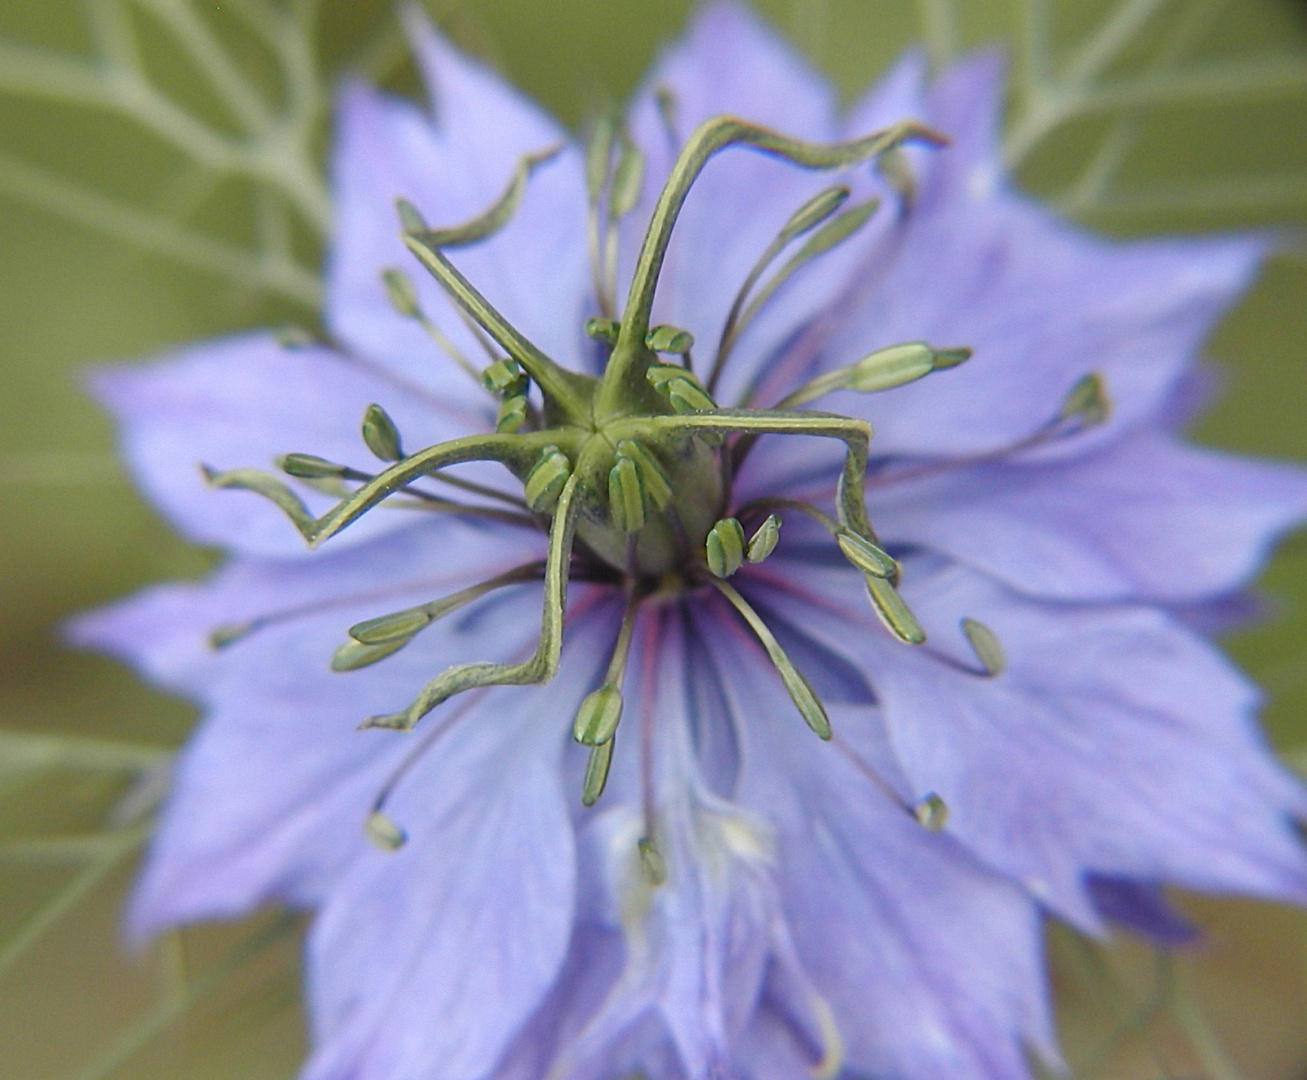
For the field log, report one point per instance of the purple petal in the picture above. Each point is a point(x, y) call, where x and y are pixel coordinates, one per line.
point(241, 402)
point(426, 962)
point(271, 793)
point(1116, 742)
point(452, 167)
point(1141, 907)
point(1041, 302)
point(1145, 518)
point(876, 902)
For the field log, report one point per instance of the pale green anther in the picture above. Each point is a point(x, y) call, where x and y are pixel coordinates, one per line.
point(950, 358)
point(657, 485)
point(685, 396)
point(725, 547)
point(628, 180)
point(603, 329)
point(596, 772)
point(598, 155)
point(669, 339)
point(868, 557)
point(986, 645)
point(546, 480)
point(381, 435)
point(502, 376)
point(1087, 401)
point(384, 832)
point(397, 626)
point(655, 866)
point(931, 812)
point(893, 612)
point(896, 366)
point(295, 337)
point(764, 541)
point(309, 467)
point(512, 415)
point(402, 293)
point(813, 213)
point(410, 218)
point(230, 633)
point(597, 718)
point(626, 496)
point(354, 655)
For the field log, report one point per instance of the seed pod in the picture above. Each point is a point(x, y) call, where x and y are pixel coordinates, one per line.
point(725, 547)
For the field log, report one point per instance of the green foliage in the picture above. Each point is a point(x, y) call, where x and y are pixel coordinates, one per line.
point(162, 179)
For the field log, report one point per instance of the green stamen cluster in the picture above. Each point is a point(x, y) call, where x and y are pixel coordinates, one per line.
point(629, 473)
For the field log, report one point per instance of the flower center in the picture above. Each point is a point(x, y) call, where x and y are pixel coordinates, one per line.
point(630, 473)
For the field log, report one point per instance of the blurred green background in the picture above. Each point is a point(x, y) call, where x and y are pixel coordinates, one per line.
point(1137, 116)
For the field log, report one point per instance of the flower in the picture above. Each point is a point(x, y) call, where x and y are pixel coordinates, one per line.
point(1020, 724)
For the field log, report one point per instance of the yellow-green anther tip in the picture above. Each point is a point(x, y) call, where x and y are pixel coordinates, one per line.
point(308, 467)
point(655, 866)
point(354, 655)
point(399, 288)
point(764, 541)
point(546, 480)
point(384, 832)
point(868, 557)
point(724, 547)
point(381, 435)
point(669, 339)
point(410, 217)
point(931, 812)
point(1087, 400)
point(596, 772)
point(986, 645)
point(597, 718)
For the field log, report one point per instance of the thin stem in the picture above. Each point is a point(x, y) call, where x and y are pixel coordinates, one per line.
point(711, 137)
point(121, 221)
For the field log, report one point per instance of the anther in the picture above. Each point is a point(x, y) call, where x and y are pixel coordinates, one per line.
point(401, 292)
point(626, 500)
point(354, 655)
point(884, 369)
point(628, 180)
point(653, 477)
point(651, 859)
point(669, 339)
point(605, 330)
point(893, 612)
point(384, 832)
point(868, 557)
point(310, 467)
point(598, 717)
point(764, 540)
point(230, 633)
point(1087, 401)
point(502, 376)
point(681, 388)
point(596, 772)
point(512, 414)
point(931, 812)
point(381, 435)
point(724, 547)
point(987, 647)
point(546, 480)
point(398, 626)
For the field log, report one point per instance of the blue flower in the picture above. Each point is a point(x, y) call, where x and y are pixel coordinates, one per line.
point(745, 898)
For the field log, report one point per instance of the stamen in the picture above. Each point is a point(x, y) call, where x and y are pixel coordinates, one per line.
point(724, 547)
point(543, 664)
point(384, 832)
point(987, 647)
point(764, 541)
point(629, 356)
point(628, 182)
point(931, 812)
point(885, 369)
point(827, 237)
point(669, 339)
point(893, 612)
point(655, 866)
point(375, 639)
point(546, 480)
point(807, 217)
point(601, 711)
point(800, 690)
point(404, 299)
point(596, 772)
point(598, 162)
point(381, 435)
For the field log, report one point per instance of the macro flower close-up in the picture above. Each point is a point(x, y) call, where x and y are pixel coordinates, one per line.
point(713, 591)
